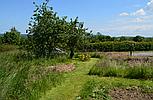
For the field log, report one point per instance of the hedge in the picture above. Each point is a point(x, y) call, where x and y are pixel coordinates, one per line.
point(119, 46)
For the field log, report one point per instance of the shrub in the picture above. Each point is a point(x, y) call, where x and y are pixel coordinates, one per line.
point(84, 57)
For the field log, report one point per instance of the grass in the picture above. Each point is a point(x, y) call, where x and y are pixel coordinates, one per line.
point(112, 68)
point(73, 82)
point(26, 80)
point(76, 81)
point(4, 48)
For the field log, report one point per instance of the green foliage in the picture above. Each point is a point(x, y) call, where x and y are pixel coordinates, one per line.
point(99, 38)
point(75, 34)
point(138, 39)
point(12, 37)
point(84, 57)
point(92, 90)
point(44, 30)
point(47, 31)
point(95, 38)
point(120, 46)
point(23, 42)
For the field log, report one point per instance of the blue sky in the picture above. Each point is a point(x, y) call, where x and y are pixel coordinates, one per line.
point(110, 17)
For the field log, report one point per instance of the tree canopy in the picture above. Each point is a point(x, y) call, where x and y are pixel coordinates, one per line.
point(47, 31)
point(12, 37)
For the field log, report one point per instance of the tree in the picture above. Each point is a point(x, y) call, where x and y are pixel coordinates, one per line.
point(12, 37)
point(75, 34)
point(47, 32)
point(138, 39)
point(45, 29)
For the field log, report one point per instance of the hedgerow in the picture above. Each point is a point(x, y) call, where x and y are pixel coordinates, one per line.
point(119, 46)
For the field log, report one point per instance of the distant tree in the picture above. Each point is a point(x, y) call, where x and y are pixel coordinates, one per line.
point(12, 37)
point(138, 39)
point(101, 38)
point(123, 38)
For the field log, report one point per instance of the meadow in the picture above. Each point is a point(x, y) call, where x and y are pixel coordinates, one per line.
point(96, 78)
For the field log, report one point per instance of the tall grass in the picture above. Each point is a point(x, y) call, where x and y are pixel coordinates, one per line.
point(26, 80)
point(112, 68)
point(4, 48)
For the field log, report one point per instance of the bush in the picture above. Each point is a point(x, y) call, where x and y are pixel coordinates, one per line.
point(84, 57)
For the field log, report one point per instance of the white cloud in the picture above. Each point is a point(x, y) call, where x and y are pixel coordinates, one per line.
point(150, 3)
point(139, 12)
point(138, 22)
point(149, 7)
point(124, 14)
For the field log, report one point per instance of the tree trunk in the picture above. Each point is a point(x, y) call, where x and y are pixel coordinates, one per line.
point(71, 53)
point(130, 53)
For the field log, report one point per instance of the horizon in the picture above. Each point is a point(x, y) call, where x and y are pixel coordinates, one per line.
point(113, 18)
